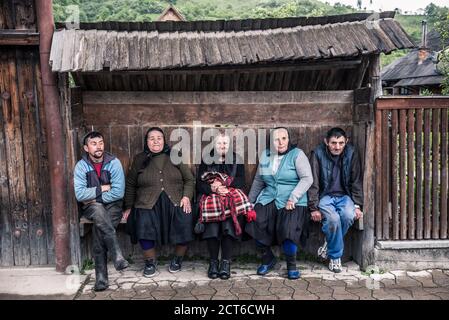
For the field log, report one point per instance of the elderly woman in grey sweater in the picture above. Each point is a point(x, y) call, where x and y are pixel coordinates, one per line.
point(279, 193)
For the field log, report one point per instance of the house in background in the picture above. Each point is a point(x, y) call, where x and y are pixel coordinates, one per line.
point(417, 71)
point(171, 14)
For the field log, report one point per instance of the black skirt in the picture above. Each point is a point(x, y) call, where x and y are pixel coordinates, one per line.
point(273, 226)
point(224, 228)
point(165, 223)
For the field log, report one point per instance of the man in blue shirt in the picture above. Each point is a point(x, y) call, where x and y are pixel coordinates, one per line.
point(99, 184)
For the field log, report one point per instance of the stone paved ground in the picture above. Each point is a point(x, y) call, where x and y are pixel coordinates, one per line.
point(316, 283)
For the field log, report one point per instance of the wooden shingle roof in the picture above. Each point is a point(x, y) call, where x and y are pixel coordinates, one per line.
point(96, 50)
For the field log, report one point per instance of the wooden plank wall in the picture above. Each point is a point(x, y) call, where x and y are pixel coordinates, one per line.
point(360, 138)
point(25, 213)
point(124, 117)
point(19, 15)
point(69, 101)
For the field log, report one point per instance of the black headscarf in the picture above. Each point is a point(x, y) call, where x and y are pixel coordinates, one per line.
point(289, 147)
point(148, 152)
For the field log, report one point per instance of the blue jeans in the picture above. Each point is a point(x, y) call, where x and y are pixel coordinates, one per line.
point(338, 215)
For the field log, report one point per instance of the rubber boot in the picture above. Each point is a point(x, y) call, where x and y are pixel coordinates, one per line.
point(101, 272)
point(119, 261)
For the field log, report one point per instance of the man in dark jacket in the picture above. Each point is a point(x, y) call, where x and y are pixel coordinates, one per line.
point(336, 195)
point(99, 184)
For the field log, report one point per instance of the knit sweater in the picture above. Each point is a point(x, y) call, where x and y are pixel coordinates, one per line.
point(143, 186)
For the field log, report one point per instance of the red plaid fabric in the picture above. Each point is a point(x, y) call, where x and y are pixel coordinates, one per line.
point(215, 207)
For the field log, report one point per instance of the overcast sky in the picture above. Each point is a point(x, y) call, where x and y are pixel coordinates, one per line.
point(386, 5)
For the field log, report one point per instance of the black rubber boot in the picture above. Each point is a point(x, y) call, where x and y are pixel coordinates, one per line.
point(119, 261)
point(101, 272)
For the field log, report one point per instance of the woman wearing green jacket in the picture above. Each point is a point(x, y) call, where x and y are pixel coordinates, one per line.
point(158, 195)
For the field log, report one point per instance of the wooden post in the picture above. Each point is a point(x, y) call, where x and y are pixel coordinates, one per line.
point(370, 173)
point(394, 173)
point(411, 173)
point(444, 182)
point(369, 191)
point(58, 180)
point(375, 80)
point(419, 174)
point(403, 172)
point(435, 173)
point(378, 174)
point(71, 159)
point(385, 176)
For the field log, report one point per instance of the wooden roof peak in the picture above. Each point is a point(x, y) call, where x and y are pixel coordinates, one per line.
point(171, 14)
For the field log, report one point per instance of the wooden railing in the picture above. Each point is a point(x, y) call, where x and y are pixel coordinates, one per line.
point(411, 167)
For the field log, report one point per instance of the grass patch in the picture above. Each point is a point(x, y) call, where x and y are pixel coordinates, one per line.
point(308, 257)
point(373, 270)
point(246, 258)
point(88, 264)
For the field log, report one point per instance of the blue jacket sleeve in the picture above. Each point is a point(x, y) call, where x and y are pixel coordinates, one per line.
point(82, 192)
point(117, 183)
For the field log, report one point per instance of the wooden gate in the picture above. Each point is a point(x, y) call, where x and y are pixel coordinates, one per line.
point(26, 236)
point(411, 165)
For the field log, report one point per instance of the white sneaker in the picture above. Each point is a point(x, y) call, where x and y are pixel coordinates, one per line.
point(322, 251)
point(335, 265)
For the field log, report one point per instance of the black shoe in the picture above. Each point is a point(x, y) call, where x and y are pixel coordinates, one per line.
point(175, 264)
point(150, 268)
point(225, 269)
point(212, 272)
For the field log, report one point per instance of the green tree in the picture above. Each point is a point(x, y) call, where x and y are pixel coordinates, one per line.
point(435, 13)
point(292, 8)
point(442, 27)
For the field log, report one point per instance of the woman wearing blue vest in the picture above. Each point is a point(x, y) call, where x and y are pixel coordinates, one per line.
point(279, 192)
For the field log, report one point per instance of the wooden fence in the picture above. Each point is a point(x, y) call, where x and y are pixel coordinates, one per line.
point(411, 166)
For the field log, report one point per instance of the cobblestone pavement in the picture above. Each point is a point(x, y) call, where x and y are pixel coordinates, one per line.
point(316, 283)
